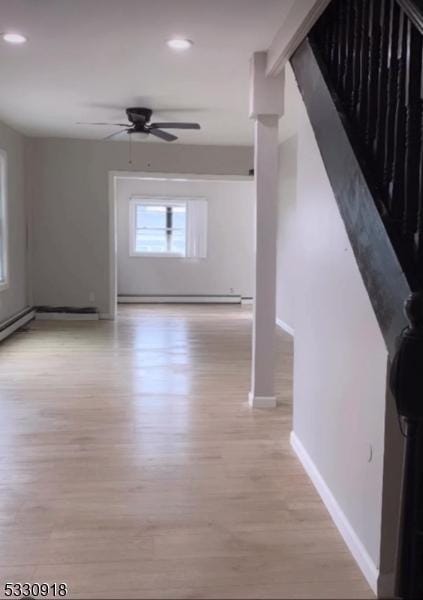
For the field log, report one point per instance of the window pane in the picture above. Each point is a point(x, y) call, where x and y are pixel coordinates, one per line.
point(151, 241)
point(179, 217)
point(177, 242)
point(160, 229)
point(178, 234)
point(151, 216)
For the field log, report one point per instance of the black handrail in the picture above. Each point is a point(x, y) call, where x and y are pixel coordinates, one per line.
point(414, 11)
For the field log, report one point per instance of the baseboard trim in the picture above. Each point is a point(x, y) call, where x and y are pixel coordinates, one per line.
point(62, 316)
point(179, 299)
point(261, 401)
point(344, 527)
point(106, 316)
point(16, 322)
point(285, 327)
point(247, 301)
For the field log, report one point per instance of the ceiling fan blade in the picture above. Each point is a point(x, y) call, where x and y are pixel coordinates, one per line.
point(164, 135)
point(108, 137)
point(175, 126)
point(108, 124)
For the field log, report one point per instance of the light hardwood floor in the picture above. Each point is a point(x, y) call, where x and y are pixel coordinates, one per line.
point(132, 467)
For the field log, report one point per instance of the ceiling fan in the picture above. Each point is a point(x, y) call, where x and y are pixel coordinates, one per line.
point(140, 122)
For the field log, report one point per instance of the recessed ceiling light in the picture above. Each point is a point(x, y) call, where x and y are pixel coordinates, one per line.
point(179, 44)
point(14, 38)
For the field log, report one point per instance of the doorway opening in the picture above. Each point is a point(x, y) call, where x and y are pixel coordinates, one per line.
point(178, 238)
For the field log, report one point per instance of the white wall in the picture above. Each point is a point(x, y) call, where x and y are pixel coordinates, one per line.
point(287, 236)
point(14, 298)
point(340, 360)
point(228, 268)
point(343, 420)
point(70, 257)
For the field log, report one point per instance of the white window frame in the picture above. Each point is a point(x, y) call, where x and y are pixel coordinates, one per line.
point(161, 200)
point(4, 249)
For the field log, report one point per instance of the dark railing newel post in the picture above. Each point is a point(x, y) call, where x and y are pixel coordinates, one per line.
point(406, 383)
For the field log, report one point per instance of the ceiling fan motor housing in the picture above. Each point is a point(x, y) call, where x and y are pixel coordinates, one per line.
point(143, 114)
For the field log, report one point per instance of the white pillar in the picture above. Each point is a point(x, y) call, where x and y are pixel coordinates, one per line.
point(266, 107)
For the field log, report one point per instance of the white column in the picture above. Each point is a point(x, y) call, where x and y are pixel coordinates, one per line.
point(266, 107)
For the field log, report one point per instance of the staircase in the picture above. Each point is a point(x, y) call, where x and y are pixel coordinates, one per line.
point(360, 73)
point(372, 52)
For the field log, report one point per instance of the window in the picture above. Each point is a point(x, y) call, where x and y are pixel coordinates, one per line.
point(3, 221)
point(160, 228)
point(168, 227)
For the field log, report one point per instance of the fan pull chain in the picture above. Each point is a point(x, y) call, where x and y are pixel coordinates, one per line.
point(130, 150)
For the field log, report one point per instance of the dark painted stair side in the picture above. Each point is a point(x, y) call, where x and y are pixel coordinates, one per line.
point(380, 268)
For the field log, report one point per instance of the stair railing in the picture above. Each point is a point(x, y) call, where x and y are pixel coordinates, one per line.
point(373, 53)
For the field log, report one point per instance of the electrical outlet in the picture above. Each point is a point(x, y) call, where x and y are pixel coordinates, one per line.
point(91, 297)
point(231, 290)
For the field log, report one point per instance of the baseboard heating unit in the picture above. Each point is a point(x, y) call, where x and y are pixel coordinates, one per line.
point(14, 323)
point(66, 313)
point(197, 299)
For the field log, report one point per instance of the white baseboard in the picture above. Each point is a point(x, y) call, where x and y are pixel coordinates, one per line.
point(285, 326)
point(261, 401)
point(16, 323)
point(106, 316)
point(247, 301)
point(59, 316)
point(179, 299)
point(364, 561)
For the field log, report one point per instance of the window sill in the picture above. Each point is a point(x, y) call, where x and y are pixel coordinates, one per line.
point(155, 255)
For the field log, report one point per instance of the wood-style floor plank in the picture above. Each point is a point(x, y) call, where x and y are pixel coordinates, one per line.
point(132, 467)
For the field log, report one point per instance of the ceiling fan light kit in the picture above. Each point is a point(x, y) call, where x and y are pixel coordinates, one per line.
point(140, 122)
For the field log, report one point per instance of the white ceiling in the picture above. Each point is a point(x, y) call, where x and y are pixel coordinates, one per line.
point(86, 60)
